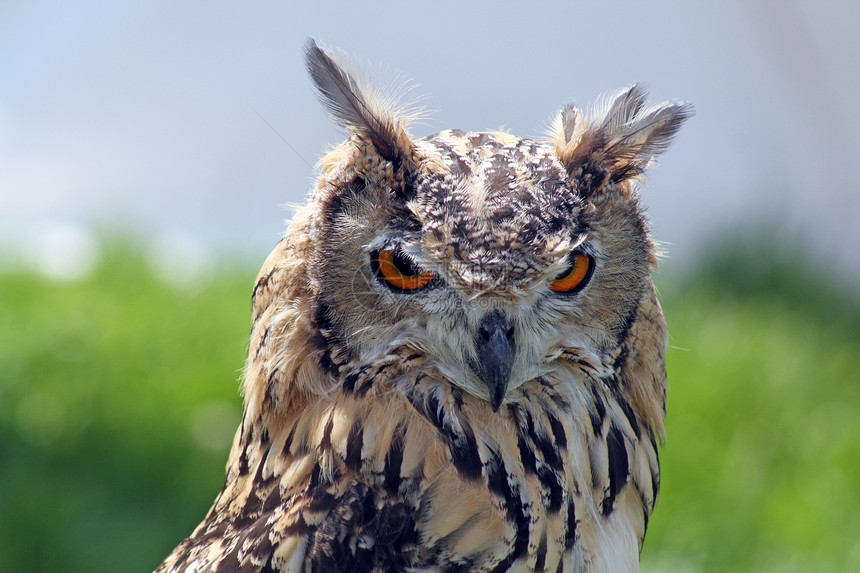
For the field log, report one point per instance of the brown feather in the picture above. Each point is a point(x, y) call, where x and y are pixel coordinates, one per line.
point(357, 108)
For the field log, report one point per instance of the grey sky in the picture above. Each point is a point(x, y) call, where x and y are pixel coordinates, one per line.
point(144, 115)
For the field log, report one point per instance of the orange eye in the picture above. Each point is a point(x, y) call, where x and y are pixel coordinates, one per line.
point(576, 276)
point(398, 272)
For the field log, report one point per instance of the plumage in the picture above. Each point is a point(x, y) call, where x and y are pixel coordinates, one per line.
point(356, 108)
point(457, 354)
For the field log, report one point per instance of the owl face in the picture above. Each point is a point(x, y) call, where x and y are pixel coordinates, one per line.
point(486, 254)
point(489, 263)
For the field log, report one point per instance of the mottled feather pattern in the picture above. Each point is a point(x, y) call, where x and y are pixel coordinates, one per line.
point(436, 476)
point(371, 439)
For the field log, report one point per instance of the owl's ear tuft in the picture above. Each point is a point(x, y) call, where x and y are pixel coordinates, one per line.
point(371, 116)
point(619, 140)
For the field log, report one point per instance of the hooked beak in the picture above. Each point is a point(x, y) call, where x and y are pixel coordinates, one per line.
point(495, 349)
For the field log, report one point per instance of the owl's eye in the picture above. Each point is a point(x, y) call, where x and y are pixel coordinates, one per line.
point(398, 272)
point(574, 277)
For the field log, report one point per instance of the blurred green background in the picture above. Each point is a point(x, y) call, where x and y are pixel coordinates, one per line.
point(119, 398)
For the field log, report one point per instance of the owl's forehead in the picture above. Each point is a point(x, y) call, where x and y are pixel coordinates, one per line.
point(500, 160)
point(496, 202)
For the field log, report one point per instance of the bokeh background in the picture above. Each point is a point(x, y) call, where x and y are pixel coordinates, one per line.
point(147, 150)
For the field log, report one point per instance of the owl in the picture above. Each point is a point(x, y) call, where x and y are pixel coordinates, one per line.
point(457, 354)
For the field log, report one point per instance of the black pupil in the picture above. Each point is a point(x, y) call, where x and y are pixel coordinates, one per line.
point(404, 265)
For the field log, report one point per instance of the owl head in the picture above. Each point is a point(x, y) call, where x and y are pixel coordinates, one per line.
point(488, 255)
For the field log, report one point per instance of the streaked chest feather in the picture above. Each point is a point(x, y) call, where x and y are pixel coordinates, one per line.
point(399, 472)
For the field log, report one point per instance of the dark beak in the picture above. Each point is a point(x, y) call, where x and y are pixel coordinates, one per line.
point(495, 349)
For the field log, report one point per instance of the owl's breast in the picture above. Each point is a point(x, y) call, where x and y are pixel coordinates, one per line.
point(555, 476)
point(375, 478)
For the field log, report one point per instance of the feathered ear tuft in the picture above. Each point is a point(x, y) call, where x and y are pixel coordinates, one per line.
point(618, 141)
point(358, 108)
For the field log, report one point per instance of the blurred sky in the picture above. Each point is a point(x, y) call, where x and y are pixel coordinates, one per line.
point(153, 116)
